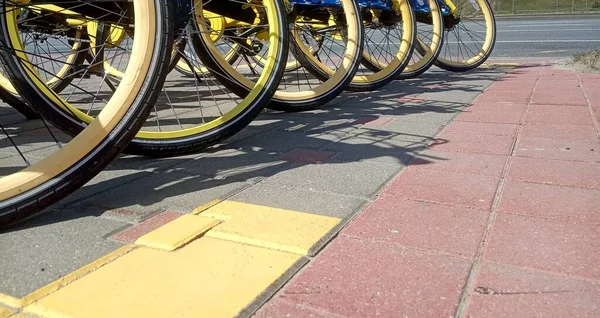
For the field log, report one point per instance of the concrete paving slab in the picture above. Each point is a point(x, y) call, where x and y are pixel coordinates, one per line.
point(334, 205)
point(273, 141)
point(377, 146)
point(247, 167)
point(50, 247)
point(357, 179)
point(175, 191)
point(104, 181)
point(418, 123)
point(240, 165)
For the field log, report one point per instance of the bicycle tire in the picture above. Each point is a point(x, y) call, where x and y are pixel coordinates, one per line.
point(26, 193)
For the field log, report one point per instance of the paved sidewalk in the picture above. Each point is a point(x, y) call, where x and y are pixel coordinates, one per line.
point(220, 233)
point(499, 217)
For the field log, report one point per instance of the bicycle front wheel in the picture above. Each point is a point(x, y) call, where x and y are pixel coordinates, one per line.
point(470, 34)
point(40, 168)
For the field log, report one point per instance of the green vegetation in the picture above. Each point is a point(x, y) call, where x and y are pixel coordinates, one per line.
point(544, 6)
point(589, 60)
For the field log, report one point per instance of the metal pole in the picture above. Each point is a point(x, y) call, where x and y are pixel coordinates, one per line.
point(572, 5)
point(513, 6)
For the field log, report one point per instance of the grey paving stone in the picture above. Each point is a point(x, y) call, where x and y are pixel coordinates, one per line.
point(418, 126)
point(258, 126)
point(239, 164)
point(283, 141)
point(150, 164)
point(51, 246)
point(319, 125)
point(377, 146)
point(320, 203)
point(104, 181)
point(453, 95)
point(172, 191)
point(358, 179)
point(11, 118)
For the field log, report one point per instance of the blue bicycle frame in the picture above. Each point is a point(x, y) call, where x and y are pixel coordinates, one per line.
point(419, 6)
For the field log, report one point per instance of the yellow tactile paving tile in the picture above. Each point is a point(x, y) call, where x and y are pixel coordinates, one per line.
point(177, 233)
point(206, 278)
point(5, 312)
point(55, 285)
point(10, 301)
point(279, 229)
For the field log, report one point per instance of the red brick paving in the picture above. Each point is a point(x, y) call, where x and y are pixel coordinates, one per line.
point(560, 132)
point(551, 201)
point(592, 92)
point(559, 92)
point(498, 279)
point(464, 127)
point(474, 143)
point(131, 234)
point(498, 105)
point(499, 115)
point(525, 230)
point(571, 248)
point(560, 172)
point(417, 183)
point(558, 149)
point(280, 308)
point(485, 165)
point(518, 97)
point(506, 291)
point(422, 225)
point(555, 74)
point(559, 304)
point(358, 278)
point(558, 115)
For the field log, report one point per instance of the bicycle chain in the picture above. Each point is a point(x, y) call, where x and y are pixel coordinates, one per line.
point(56, 36)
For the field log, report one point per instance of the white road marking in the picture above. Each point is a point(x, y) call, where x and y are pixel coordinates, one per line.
point(507, 41)
point(548, 24)
point(543, 41)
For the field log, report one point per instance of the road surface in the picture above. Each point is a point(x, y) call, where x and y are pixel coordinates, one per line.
point(556, 37)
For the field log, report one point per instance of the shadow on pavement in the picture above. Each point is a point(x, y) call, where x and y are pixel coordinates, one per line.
point(340, 128)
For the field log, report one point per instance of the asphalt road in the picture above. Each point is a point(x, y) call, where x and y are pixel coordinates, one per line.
point(556, 37)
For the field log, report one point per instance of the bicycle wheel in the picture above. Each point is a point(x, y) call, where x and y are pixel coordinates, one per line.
point(18, 104)
point(335, 32)
point(37, 173)
point(470, 34)
point(390, 32)
point(193, 114)
point(186, 57)
point(66, 57)
point(429, 40)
